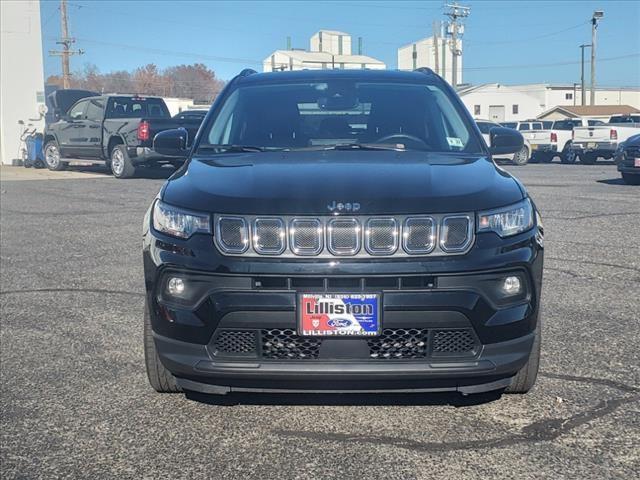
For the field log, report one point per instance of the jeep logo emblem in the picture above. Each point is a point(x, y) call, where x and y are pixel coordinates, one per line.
point(343, 207)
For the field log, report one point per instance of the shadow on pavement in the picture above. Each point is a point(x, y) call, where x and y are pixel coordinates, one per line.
point(346, 399)
point(612, 181)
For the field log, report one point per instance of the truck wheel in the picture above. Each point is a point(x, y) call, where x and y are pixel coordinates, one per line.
point(588, 158)
point(121, 165)
point(159, 377)
point(52, 157)
point(568, 157)
point(526, 376)
point(521, 157)
point(631, 179)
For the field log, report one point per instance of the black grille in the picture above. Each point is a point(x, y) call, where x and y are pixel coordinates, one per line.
point(344, 236)
point(453, 342)
point(419, 234)
point(285, 344)
point(269, 236)
point(235, 342)
point(399, 344)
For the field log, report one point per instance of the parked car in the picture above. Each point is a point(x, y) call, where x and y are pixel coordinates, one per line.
point(115, 129)
point(527, 125)
point(590, 143)
point(555, 141)
point(340, 230)
point(627, 158)
point(191, 114)
point(518, 158)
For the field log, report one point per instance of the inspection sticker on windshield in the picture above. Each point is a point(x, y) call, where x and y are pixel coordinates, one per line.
point(454, 142)
point(338, 314)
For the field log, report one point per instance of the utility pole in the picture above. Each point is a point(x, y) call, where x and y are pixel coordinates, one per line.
point(66, 43)
point(598, 14)
point(436, 43)
point(455, 12)
point(583, 93)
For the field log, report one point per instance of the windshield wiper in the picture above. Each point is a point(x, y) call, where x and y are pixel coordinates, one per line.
point(237, 148)
point(398, 147)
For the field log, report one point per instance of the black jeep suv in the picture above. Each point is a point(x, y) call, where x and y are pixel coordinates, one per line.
point(341, 231)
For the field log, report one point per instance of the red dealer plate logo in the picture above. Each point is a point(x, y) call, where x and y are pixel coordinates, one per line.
point(339, 314)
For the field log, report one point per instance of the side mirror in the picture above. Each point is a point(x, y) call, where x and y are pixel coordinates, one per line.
point(505, 140)
point(171, 143)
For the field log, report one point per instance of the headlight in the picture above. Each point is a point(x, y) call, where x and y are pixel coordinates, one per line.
point(177, 222)
point(507, 221)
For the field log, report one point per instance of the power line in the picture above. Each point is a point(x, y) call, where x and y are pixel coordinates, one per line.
point(66, 41)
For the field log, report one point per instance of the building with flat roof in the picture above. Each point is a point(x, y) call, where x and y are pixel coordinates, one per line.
point(504, 103)
point(328, 49)
point(434, 53)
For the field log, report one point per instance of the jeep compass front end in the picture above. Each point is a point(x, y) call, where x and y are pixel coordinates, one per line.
point(341, 231)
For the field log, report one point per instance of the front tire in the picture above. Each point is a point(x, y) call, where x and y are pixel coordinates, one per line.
point(631, 179)
point(161, 379)
point(52, 157)
point(525, 379)
point(121, 165)
point(521, 157)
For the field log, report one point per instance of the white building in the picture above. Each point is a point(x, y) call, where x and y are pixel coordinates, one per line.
point(328, 49)
point(433, 53)
point(21, 73)
point(499, 103)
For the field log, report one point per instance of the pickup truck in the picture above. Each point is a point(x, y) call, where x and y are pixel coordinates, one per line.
point(115, 129)
point(556, 141)
point(592, 142)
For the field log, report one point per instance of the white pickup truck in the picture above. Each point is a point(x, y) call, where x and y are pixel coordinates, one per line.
point(590, 143)
point(556, 141)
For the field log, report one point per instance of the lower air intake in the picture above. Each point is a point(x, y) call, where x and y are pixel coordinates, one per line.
point(286, 344)
point(230, 342)
point(453, 342)
point(399, 344)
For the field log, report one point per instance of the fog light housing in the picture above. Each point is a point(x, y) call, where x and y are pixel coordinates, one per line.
point(175, 286)
point(512, 285)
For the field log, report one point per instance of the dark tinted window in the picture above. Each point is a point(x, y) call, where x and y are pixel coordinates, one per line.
point(566, 124)
point(342, 112)
point(523, 126)
point(77, 111)
point(94, 110)
point(485, 127)
point(536, 126)
point(547, 125)
point(593, 123)
point(135, 107)
point(510, 124)
point(624, 119)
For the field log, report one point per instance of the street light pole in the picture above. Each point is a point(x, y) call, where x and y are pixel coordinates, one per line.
point(582, 47)
point(598, 14)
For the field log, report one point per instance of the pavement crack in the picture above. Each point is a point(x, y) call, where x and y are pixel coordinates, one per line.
point(540, 431)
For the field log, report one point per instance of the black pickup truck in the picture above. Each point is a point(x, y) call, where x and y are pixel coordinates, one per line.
point(116, 129)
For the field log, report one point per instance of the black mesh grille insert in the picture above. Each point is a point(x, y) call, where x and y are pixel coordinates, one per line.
point(286, 344)
point(453, 342)
point(455, 233)
point(235, 342)
point(399, 344)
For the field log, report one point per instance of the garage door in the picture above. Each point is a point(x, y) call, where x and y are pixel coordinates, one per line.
point(496, 113)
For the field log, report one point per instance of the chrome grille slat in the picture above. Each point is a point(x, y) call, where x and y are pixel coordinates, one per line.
point(345, 236)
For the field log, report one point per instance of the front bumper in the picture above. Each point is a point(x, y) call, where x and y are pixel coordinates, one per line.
point(439, 297)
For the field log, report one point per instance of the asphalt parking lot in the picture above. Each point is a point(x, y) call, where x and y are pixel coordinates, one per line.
point(75, 401)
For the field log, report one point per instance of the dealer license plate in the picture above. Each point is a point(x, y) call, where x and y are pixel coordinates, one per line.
point(591, 145)
point(636, 162)
point(338, 314)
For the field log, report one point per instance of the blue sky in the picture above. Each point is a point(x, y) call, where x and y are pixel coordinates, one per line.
point(504, 41)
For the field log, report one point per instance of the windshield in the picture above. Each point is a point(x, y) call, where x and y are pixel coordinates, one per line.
point(324, 115)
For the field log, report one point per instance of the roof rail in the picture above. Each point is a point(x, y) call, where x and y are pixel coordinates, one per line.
point(246, 72)
point(425, 70)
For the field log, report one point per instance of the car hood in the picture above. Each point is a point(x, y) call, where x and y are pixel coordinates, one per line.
point(381, 182)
